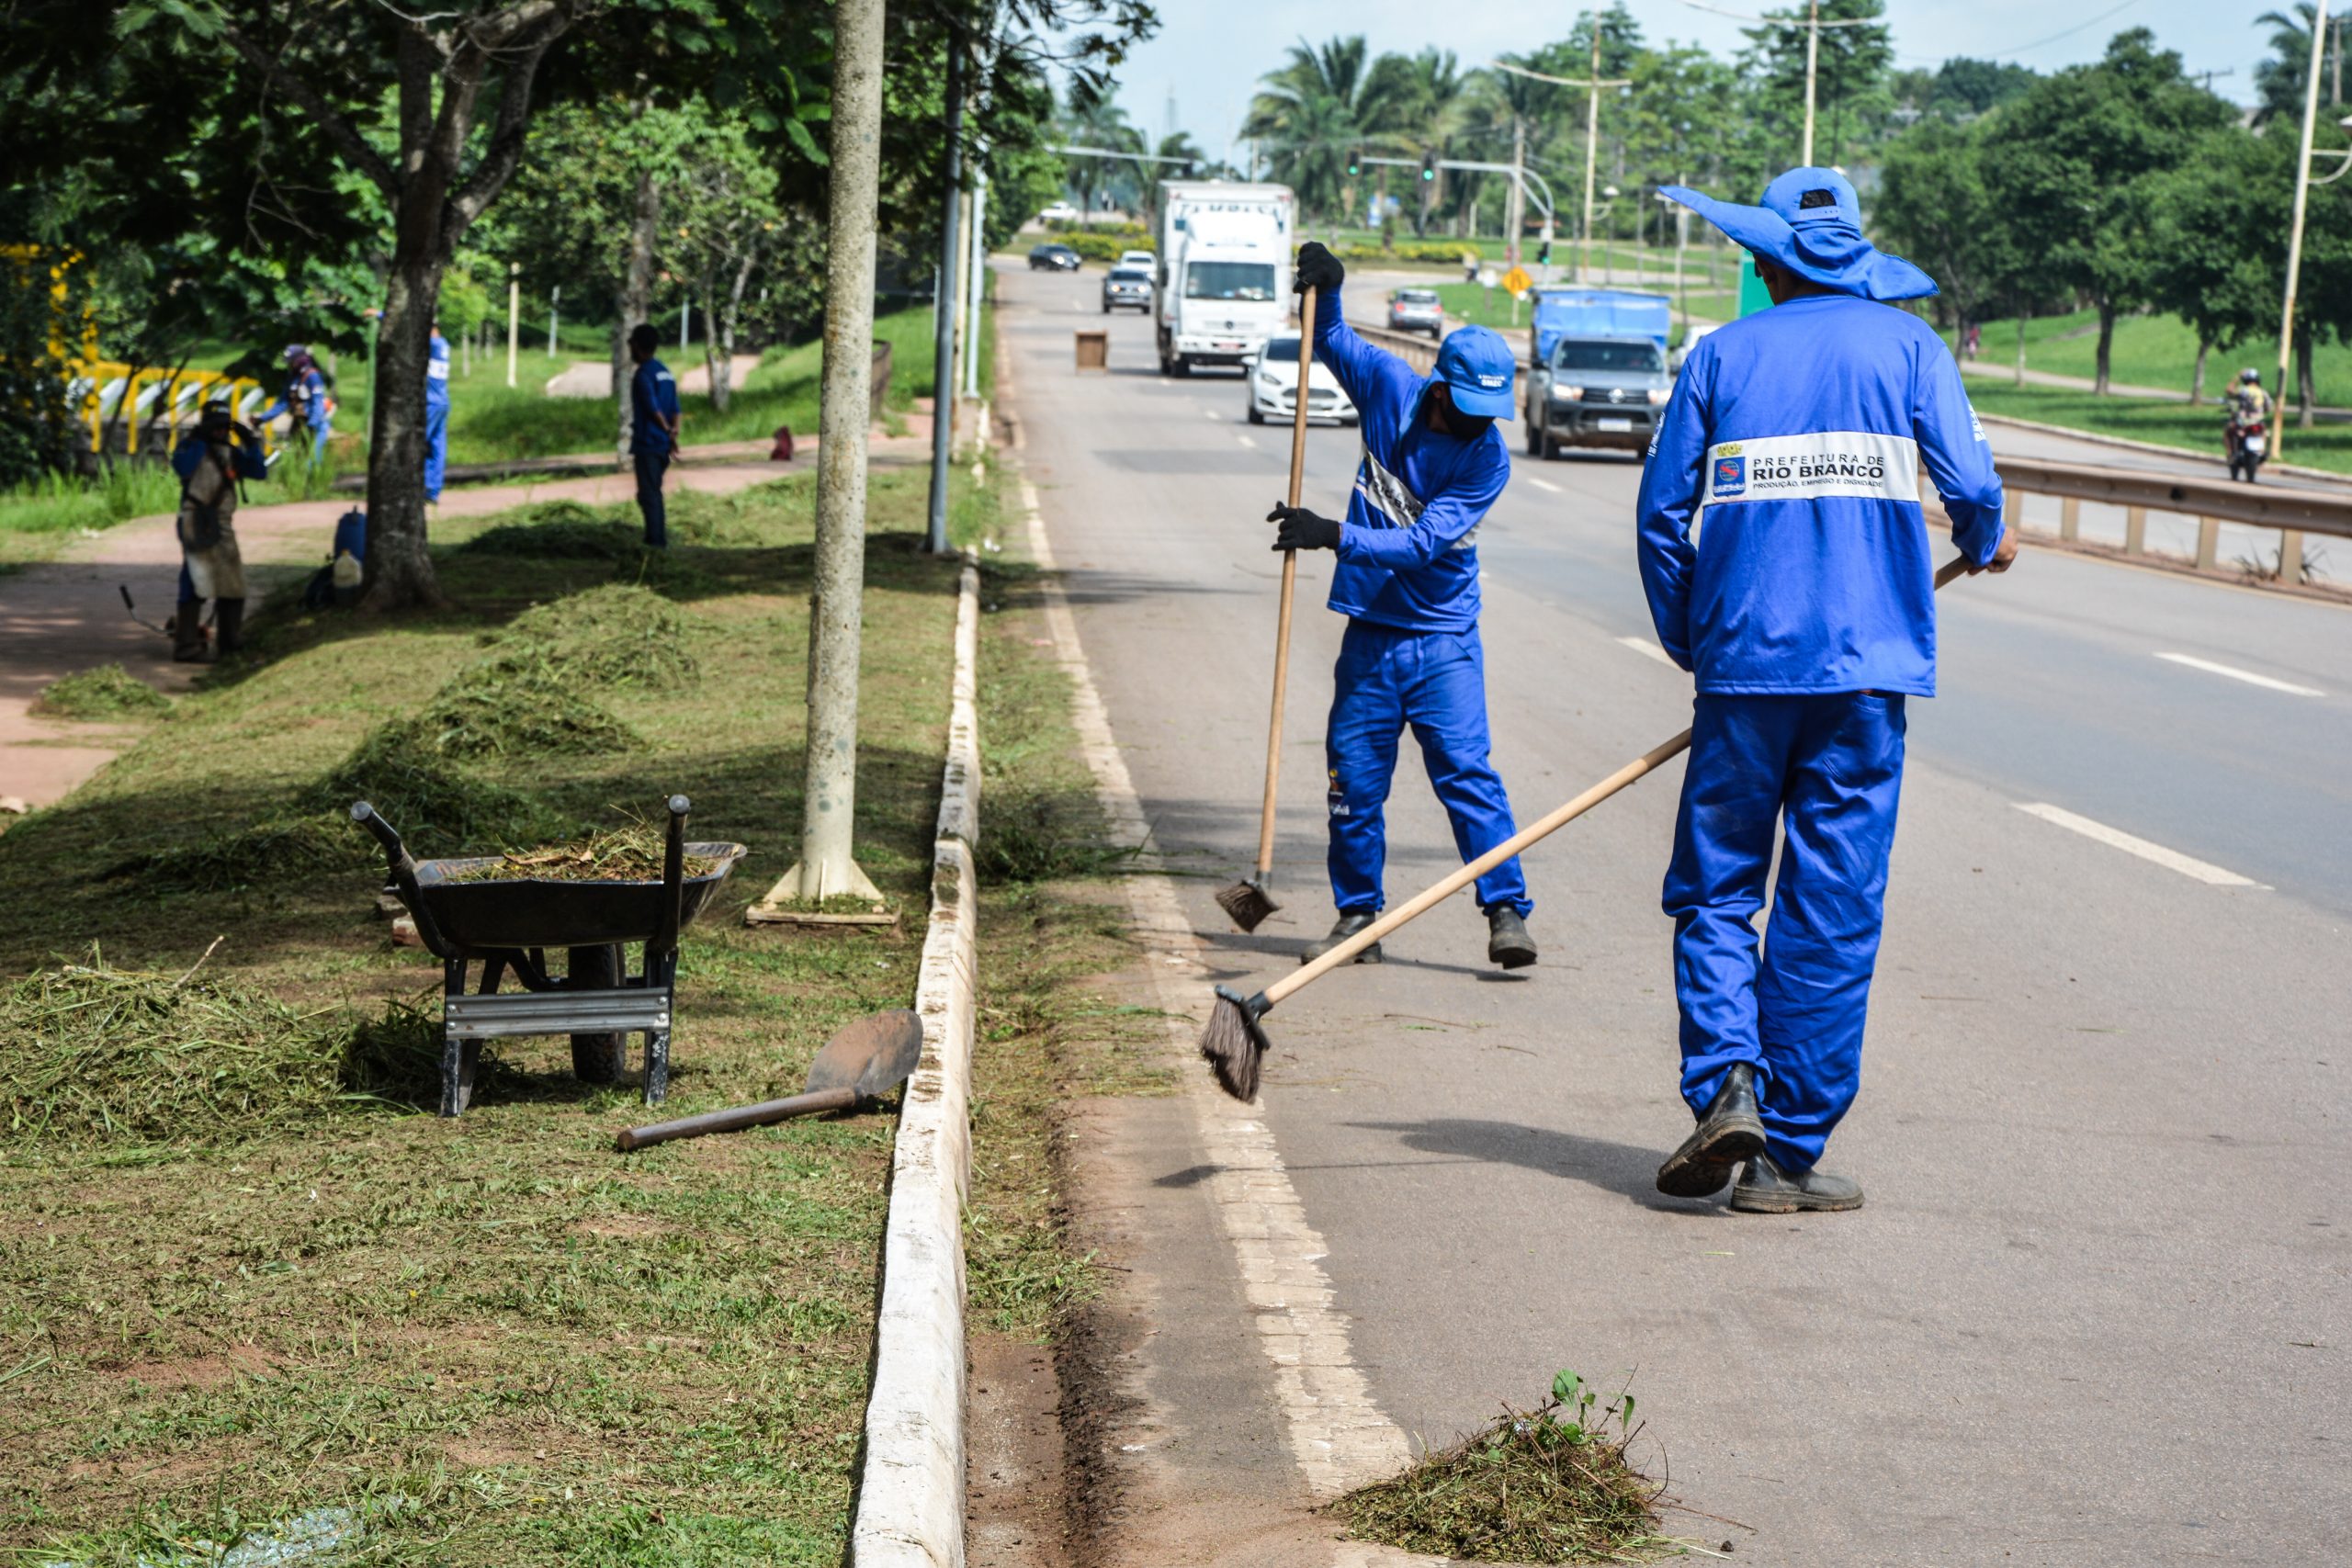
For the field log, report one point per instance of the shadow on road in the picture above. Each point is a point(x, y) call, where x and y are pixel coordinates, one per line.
point(1626, 1169)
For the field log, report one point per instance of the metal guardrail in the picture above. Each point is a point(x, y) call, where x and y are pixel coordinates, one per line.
point(2294, 513)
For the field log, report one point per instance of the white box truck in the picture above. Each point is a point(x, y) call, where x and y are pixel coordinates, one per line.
point(1225, 270)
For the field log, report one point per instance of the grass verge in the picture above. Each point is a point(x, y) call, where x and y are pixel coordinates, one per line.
point(1551, 1485)
point(2197, 429)
point(490, 1340)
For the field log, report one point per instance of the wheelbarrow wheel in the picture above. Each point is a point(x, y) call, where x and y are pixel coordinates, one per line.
point(596, 1058)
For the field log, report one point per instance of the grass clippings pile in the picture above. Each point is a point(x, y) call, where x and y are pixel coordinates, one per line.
point(516, 704)
point(108, 692)
point(1549, 1484)
point(633, 853)
point(620, 635)
point(97, 1054)
point(560, 530)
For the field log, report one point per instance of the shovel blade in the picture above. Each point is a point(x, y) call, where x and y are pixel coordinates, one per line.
point(872, 1055)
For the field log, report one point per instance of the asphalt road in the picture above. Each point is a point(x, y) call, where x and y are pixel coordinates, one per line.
point(2096, 1311)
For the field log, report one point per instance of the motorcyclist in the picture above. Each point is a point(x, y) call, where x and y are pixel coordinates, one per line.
point(2249, 404)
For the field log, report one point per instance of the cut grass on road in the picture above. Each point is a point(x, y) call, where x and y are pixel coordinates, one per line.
point(493, 1337)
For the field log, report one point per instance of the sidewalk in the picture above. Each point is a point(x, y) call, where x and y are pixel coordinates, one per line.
point(66, 614)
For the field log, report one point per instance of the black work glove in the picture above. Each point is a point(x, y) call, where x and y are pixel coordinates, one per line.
point(1317, 269)
point(1301, 529)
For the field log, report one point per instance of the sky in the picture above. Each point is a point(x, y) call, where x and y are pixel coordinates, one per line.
point(1209, 54)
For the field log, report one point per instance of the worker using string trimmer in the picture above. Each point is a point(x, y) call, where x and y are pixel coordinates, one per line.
point(1407, 582)
point(1805, 609)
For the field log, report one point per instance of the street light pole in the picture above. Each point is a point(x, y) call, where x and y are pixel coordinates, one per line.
point(1812, 65)
point(1591, 146)
point(2295, 232)
point(943, 361)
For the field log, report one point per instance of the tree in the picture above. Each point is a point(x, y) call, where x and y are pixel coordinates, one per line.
point(1418, 102)
point(1933, 209)
point(1850, 86)
point(1095, 120)
point(2079, 160)
point(720, 226)
point(1148, 175)
point(2279, 80)
point(1311, 112)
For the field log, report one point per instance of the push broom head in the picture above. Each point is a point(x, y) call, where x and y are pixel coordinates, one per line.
point(1247, 902)
point(1233, 1044)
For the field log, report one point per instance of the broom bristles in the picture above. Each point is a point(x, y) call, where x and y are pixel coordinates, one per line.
point(1247, 902)
point(1233, 1045)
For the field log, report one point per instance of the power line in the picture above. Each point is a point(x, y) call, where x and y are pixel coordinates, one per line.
point(1797, 21)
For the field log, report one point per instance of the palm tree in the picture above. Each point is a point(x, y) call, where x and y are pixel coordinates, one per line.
point(1309, 114)
point(1148, 175)
point(1418, 103)
point(2281, 79)
point(1092, 119)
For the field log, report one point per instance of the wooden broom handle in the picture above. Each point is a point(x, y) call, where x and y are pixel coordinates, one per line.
point(1290, 584)
point(1525, 839)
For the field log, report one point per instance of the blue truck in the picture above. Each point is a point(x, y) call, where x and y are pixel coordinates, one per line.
point(1596, 312)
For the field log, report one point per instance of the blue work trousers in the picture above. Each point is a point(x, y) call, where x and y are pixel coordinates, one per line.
point(650, 469)
point(1826, 770)
point(1436, 682)
point(437, 447)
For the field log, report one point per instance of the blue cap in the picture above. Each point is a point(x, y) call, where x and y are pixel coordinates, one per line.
point(1812, 224)
point(1476, 367)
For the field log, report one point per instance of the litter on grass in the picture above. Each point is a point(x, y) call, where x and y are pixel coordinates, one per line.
point(1549, 1484)
point(108, 692)
point(633, 853)
point(97, 1053)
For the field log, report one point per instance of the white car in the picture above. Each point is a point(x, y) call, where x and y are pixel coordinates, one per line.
point(1142, 260)
point(1273, 377)
point(1059, 212)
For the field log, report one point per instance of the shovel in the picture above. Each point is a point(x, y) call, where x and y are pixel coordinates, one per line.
point(864, 1061)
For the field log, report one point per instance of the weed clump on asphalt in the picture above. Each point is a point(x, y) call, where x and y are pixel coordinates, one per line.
point(1549, 1484)
point(97, 1054)
point(108, 692)
point(619, 634)
point(634, 853)
point(1034, 837)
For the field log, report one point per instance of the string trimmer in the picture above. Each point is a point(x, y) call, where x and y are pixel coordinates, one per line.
point(1247, 900)
point(1234, 1042)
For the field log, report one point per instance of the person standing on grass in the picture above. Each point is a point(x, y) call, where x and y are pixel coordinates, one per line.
point(304, 401)
point(210, 466)
point(652, 432)
point(436, 415)
point(1804, 607)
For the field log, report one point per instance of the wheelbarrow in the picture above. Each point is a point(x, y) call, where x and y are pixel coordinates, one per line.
point(508, 924)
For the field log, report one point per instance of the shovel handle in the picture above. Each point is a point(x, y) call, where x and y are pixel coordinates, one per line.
point(1289, 591)
point(737, 1117)
point(1526, 838)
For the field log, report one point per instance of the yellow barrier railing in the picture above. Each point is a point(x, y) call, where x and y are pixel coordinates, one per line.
point(106, 388)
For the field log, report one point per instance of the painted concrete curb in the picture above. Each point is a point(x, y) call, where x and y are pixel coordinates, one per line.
point(910, 1494)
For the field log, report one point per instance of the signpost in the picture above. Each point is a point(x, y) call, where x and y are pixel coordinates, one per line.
point(1517, 283)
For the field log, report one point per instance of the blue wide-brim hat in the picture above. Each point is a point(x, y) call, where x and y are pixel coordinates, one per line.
point(1476, 367)
point(1812, 224)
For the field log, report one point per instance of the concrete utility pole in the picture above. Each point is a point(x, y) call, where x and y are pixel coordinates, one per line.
point(829, 800)
point(1812, 68)
point(942, 357)
point(978, 272)
point(514, 317)
point(555, 305)
point(2295, 238)
point(1592, 145)
point(1515, 214)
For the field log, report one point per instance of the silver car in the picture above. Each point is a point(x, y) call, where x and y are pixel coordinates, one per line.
point(1415, 311)
point(1597, 391)
point(1125, 286)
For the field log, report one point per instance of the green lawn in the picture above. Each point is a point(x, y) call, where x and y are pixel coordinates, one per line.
point(2155, 351)
point(2146, 419)
point(494, 1338)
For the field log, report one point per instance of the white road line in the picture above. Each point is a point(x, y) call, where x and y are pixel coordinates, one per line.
point(2115, 837)
point(1649, 649)
point(2248, 676)
point(1247, 441)
point(1545, 485)
point(1213, 413)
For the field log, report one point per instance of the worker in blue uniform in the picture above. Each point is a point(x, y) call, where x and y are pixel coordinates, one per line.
point(1407, 582)
point(436, 415)
point(1786, 558)
point(653, 431)
point(305, 401)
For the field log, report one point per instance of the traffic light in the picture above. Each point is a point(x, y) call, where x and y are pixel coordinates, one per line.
point(1428, 166)
point(1355, 162)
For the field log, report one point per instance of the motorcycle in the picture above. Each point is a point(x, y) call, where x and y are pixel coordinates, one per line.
point(2244, 442)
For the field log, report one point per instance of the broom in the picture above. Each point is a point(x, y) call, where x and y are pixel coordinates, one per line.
point(1247, 901)
point(1234, 1042)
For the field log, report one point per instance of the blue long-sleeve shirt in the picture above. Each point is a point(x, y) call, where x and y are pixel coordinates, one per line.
point(1408, 554)
point(243, 461)
point(652, 391)
point(312, 386)
point(1801, 431)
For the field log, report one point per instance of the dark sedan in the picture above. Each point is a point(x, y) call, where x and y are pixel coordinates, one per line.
point(1052, 258)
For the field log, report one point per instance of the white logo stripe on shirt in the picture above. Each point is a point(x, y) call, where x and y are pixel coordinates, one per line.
point(1865, 464)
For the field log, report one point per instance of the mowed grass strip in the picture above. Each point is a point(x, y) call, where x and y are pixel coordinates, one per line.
point(492, 1339)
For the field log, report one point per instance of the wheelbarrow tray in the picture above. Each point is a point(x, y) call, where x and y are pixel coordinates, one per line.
point(537, 911)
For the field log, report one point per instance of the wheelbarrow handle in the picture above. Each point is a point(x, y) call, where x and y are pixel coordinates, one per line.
point(403, 868)
point(674, 879)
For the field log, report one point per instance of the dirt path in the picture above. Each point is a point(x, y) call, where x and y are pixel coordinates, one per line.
point(66, 614)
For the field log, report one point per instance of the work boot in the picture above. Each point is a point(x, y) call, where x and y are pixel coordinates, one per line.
point(230, 625)
point(1765, 1188)
point(1507, 943)
point(188, 646)
point(1348, 925)
point(1730, 1133)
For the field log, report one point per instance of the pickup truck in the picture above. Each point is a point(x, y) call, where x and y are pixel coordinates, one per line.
point(1597, 391)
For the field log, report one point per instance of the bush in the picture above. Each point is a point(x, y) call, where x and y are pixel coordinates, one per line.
point(53, 502)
